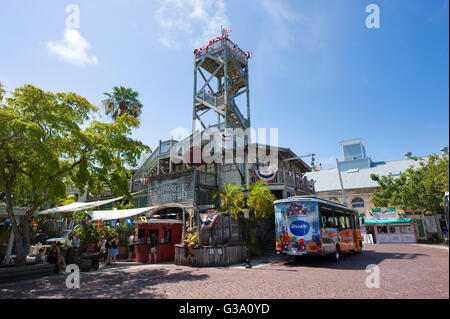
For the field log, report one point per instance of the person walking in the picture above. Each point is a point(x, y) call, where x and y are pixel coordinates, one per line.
point(55, 257)
point(153, 246)
point(131, 247)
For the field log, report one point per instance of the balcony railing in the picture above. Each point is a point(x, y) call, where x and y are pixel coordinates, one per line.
point(284, 178)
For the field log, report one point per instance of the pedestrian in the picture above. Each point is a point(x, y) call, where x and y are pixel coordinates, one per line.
point(101, 246)
point(76, 242)
point(114, 249)
point(153, 246)
point(55, 257)
point(131, 247)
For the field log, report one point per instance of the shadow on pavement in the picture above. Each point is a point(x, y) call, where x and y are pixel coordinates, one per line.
point(348, 261)
point(104, 285)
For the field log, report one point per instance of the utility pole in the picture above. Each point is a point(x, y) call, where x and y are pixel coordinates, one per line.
point(342, 185)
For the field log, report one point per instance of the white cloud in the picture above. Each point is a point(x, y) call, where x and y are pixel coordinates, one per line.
point(196, 21)
point(282, 20)
point(72, 48)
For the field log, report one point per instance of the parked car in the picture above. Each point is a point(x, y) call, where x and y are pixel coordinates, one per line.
point(64, 238)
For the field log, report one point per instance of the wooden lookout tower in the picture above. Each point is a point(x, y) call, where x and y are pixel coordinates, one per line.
point(223, 70)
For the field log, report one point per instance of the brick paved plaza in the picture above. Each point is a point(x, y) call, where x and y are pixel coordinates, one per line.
point(406, 271)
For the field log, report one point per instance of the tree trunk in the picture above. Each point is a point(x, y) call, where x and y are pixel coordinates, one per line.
point(22, 241)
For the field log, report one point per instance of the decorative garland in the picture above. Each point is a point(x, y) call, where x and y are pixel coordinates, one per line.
point(248, 54)
point(143, 181)
point(267, 175)
point(226, 136)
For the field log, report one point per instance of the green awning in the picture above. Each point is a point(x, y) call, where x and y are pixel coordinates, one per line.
point(387, 221)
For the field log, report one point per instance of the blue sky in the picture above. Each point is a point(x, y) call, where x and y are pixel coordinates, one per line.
point(317, 73)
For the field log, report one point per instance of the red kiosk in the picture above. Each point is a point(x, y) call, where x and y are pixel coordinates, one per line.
point(168, 232)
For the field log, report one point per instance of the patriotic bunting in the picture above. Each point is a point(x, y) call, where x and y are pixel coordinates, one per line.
point(129, 221)
point(113, 223)
point(144, 219)
point(311, 186)
point(71, 224)
point(267, 175)
point(208, 220)
point(98, 224)
point(226, 136)
point(248, 54)
point(143, 181)
point(85, 223)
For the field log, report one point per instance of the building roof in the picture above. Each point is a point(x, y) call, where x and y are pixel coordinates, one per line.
point(328, 179)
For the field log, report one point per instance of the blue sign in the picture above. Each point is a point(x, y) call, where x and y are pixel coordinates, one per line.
point(299, 228)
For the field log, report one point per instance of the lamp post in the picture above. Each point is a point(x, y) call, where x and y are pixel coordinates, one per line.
point(246, 215)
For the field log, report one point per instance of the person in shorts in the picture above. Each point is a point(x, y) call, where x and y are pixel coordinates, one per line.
point(153, 247)
point(114, 249)
point(131, 247)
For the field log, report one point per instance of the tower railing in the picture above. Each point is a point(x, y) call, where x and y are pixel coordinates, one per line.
point(212, 48)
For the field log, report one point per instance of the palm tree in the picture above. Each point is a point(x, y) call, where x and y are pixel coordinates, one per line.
point(260, 199)
point(230, 199)
point(122, 101)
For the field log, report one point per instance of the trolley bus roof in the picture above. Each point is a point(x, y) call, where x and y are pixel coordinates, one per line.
point(313, 198)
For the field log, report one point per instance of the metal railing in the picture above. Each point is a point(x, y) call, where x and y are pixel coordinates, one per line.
point(214, 100)
point(284, 178)
point(241, 55)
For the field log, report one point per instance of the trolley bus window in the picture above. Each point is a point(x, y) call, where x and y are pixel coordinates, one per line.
point(328, 220)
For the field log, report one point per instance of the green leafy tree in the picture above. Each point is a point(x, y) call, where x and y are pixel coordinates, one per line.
point(420, 188)
point(122, 101)
point(2, 91)
point(47, 142)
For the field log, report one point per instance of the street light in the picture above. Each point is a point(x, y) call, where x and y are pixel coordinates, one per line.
point(246, 215)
